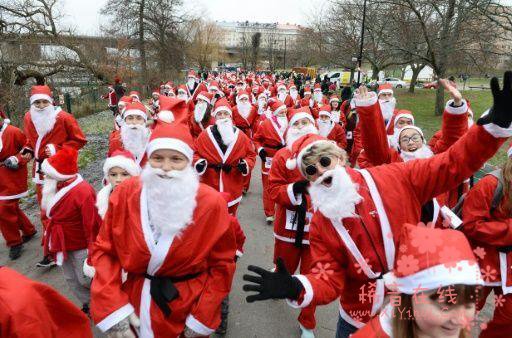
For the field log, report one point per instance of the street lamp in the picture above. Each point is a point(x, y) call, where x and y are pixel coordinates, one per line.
point(360, 58)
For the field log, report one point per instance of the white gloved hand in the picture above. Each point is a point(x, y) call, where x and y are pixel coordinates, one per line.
point(122, 329)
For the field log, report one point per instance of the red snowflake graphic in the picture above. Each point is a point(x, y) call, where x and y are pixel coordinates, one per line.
point(425, 241)
point(322, 271)
point(499, 300)
point(407, 264)
point(479, 252)
point(489, 274)
point(359, 268)
point(403, 248)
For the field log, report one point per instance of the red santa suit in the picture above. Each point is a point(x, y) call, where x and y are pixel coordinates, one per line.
point(33, 309)
point(13, 186)
point(358, 250)
point(112, 97)
point(248, 124)
point(336, 132)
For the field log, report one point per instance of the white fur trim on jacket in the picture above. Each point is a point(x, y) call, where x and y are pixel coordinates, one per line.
point(496, 130)
point(102, 199)
point(456, 110)
point(122, 162)
point(52, 149)
point(115, 317)
point(308, 293)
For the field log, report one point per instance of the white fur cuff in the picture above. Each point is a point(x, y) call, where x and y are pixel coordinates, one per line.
point(497, 131)
point(52, 149)
point(456, 110)
point(205, 166)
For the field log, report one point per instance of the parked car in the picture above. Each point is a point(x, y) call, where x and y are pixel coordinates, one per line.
point(396, 83)
point(431, 85)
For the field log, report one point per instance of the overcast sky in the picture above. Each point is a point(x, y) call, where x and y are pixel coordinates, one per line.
point(84, 15)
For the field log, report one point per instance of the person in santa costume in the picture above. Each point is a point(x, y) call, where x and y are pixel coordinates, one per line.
point(135, 95)
point(387, 104)
point(269, 139)
point(33, 309)
point(432, 292)
point(118, 119)
point(293, 209)
point(201, 117)
point(112, 100)
point(154, 102)
point(262, 105)
point(48, 129)
point(487, 224)
point(318, 97)
point(16, 228)
point(184, 95)
point(358, 214)
point(69, 203)
point(336, 114)
point(294, 94)
point(192, 82)
point(329, 129)
point(225, 155)
point(172, 109)
point(133, 135)
point(173, 237)
point(283, 96)
point(245, 115)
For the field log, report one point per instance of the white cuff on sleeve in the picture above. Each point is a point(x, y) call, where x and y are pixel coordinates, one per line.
point(496, 130)
point(115, 317)
point(197, 326)
point(294, 199)
point(308, 293)
point(456, 110)
point(239, 253)
point(52, 149)
point(14, 159)
point(366, 102)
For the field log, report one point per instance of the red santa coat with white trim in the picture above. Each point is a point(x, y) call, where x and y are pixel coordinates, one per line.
point(116, 143)
point(489, 231)
point(270, 138)
point(33, 309)
point(232, 182)
point(337, 134)
point(280, 184)
point(378, 327)
point(125, 242)
point(392, 195)
point(13, 183)
point(197, 128)
point(65, 132)
point(248, 125)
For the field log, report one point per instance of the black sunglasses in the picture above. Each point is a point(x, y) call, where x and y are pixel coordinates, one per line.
point(324, 162)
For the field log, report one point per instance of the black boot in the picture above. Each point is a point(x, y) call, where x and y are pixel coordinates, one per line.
point(46, 262)
point(28, 237)
point(85, 309)
point(15, 251)
point(224, 312)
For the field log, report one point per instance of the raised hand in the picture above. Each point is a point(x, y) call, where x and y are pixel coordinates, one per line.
point(501, 111)
point(454, 92)
point(362, 93)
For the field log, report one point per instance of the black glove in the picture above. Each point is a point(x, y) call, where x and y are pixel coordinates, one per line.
point(500, 113)
point(200, 166)
point(272, 285)
point(300, 187)
point(263, 154)
point(11, 163)
point(243, 167)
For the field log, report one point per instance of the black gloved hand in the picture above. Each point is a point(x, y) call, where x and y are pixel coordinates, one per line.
point(200, 166)
point(272, 285)
point(263, 154)
point(300, 187)
point(11, 163)
point(243, 167)
point(501, 111)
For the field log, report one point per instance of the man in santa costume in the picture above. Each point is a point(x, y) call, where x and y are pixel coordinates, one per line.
point(133, 135)
point(112, 100)
point(387, 103)
point(192, 82)
point(270, 138)
point(283, 96)
point(33, 309)
point(359, 214)
point(294, 94)
point(69, 203)
point(225, 155)
point(201, 117)
point(184, 95)
point(16, 228)
point(48, 129)
point(245, 115)
point(318, 97)
point(329, 129)
point(173, 237)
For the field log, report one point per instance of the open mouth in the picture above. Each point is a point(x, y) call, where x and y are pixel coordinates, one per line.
point(327, 181)
point(413, 149)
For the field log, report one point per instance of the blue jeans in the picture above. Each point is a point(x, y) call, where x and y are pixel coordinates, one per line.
point(344, 329)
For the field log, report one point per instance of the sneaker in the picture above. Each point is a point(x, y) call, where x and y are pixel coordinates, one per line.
point(223, 327)
point(270, 220)
point(305, 333)
point(27, 238)
point(15, 251)
point(47, 262)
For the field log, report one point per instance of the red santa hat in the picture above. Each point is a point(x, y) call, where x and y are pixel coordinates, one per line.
point(134, 94)
point(172, 109)
point(155, 91)
point(214, 85)
point(172, 136)
point(122, 159)
point(192, 73)
point(169, 84)
point(243, 93)
point(40, 93)
point(307, 90)
point(4, 117)
point(205, 96)
point(334, 98)
point(317, 87)
point(221, 105)
point(299, 148)
point(63, 165)
point(183, 88)
point(291, 85)
point(276, 106)
point(281, 85)
point(453, 261)
point(325, 110)
point(405, 114)
point(135, 108)
point(385, 88)
point(300, 113)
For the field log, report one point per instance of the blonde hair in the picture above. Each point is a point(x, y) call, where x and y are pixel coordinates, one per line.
point(506, 171)
point(319, 150)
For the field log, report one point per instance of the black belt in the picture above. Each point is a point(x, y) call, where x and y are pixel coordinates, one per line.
point(218, 167)
point(275, 147)
point(163, 291)
point(300, 220)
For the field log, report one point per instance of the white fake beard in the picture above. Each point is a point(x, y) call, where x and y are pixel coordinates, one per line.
point(324, 127)
point(171, 199)
point(191, 83)
point(135, 138)
point(387, 108)
point(225, 127)
point(244, 109)
point(261, 106)
point(340, 199)
point(49, 191)
point(318, 97)
point(294, 134)
point(183, 97)
point(423, 152)
point(166, 116)
point(281, 97)
point(283, 123)
point(335, 116)
point(43, 119)
point(199, 111)
point(294, 94)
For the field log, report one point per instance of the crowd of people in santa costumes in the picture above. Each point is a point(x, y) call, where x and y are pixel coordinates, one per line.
point(345, 181)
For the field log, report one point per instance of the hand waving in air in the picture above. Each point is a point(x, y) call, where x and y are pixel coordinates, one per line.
point(501, 111)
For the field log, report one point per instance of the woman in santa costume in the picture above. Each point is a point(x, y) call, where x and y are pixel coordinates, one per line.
point(358, 214)
point(48, 129)
point(352, 131)
point(269, 138)
point(173, 237)
point(330, 129)
point(432, 292)
point(287, 188)
point(33, 309)
point(14, 224)
point(225, 155)
point(69, 203)
point(336, 115)
point(201, 118)
point(488, 225)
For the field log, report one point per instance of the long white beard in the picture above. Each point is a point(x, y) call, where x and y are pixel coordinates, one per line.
point(261, 107)
point(135, 139)
point(191, 83)
point(183, 97)
point(318, 97)
point(423, 152)
point(49, 191)
point(244, 109)
point(294, 134)
point(283, 123)
point(324, 128)
point(281, 97)
point(225, 127)
point(335, 116)
point(171, 200)
point(470, 122)
point(387, 108)
point(43, 119)
point(199, 111)
point(340, 199)
point(102, 198)
point(294, 94)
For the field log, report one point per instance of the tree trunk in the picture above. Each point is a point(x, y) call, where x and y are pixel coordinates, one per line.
point(142, 48)
point(375, 72)
point(415, 72)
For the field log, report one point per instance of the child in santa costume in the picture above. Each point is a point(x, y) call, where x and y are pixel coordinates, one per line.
point(329, 129)
point(359, 214)
point(48, 129)
point(112, 98)
point(33, 309)
point(69, 203)
point(13, 186)
point(432, 292)
point(225, 155)
point(173, 237)
point(201, 117)
point(269, 138)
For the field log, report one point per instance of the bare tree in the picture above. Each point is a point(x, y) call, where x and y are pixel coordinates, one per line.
point(255, 44)
point(245, 49)
point(205, 43)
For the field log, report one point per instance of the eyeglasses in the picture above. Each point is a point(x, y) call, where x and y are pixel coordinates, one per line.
point(324, 162)
point(414, 138)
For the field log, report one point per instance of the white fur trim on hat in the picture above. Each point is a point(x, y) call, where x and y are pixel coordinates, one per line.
point(411, 127)
point(134, 112)
point(241, 96)
point(222, 108)
point(299, 116)
point(36, 97)
point(170, 143)
point(332, 99)
point(7, 121)
point(214, 88)
point(166, 116)
point(385, 91)
point(204, 98)
point(405, 115)
point(279, 109)
point(47, 168)
point(324, 112)
point(122, 162)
